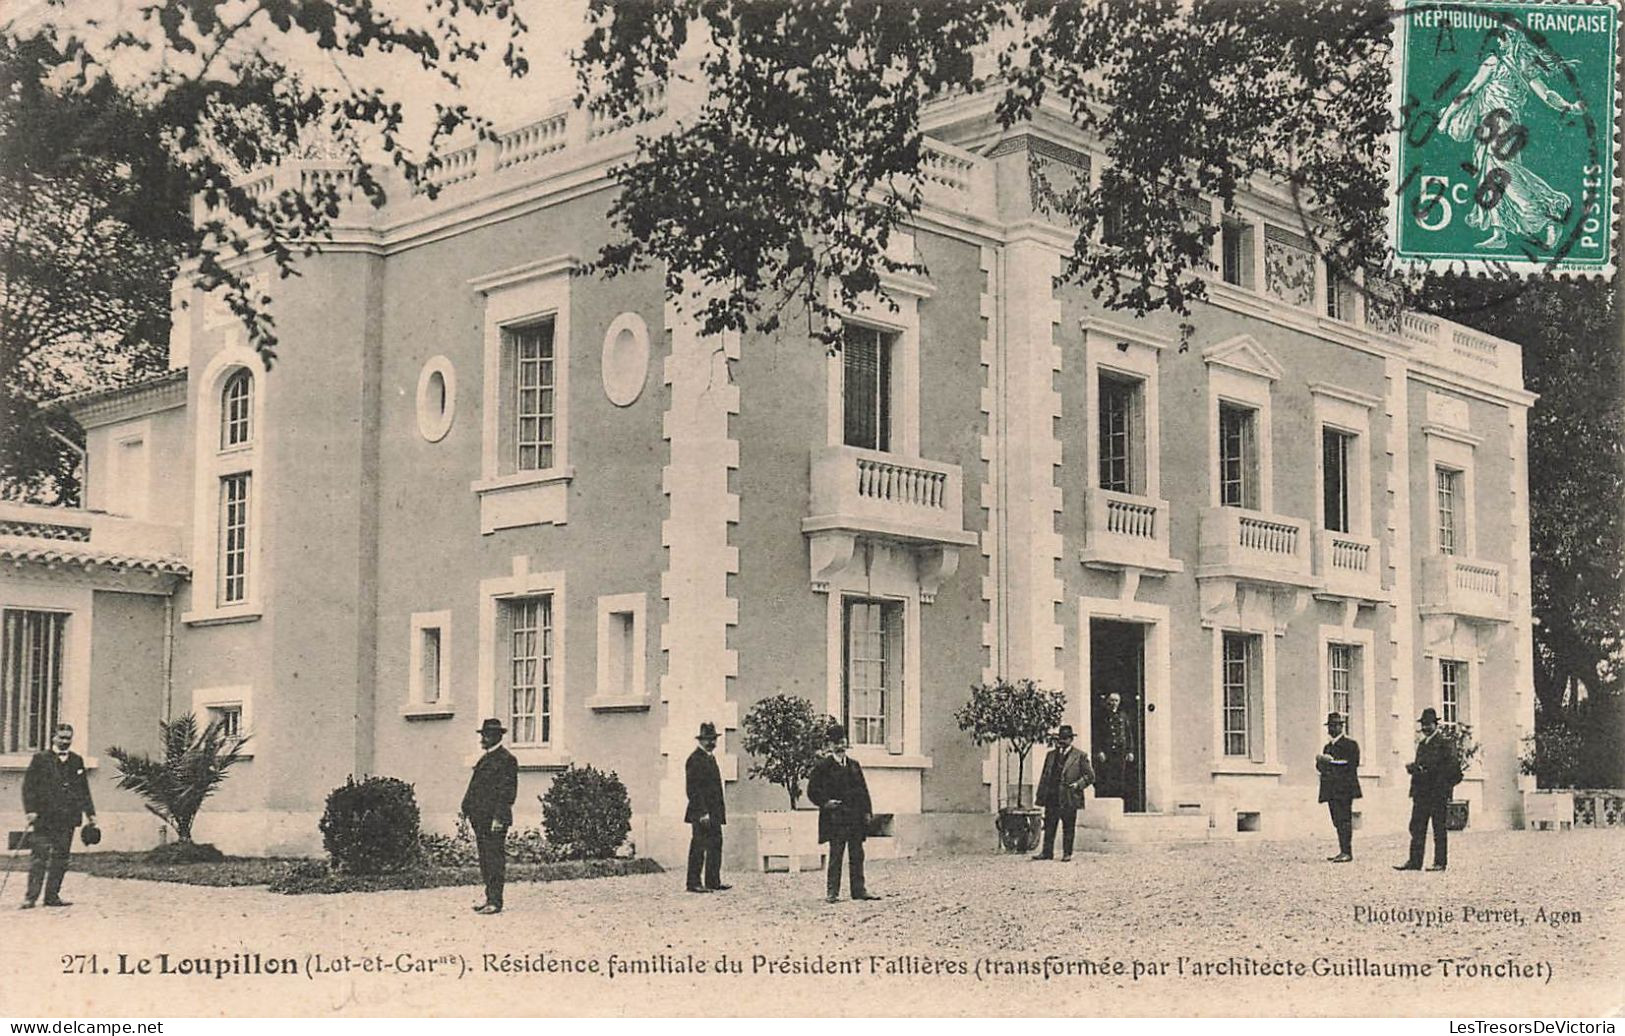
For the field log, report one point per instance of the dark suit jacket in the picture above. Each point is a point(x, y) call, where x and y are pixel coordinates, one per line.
point(1434, 772)
point(491, 789)
point(1340, 779)
point(704, 780)
point(1118, 735)
point(1065, 776)
point(58, 792)
point(848, 821)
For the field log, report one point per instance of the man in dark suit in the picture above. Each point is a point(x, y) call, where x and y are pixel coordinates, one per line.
point(706, 814)
point(838, 789)
point(1433, 773)
point(1060, 792)
point(1115, 754)
point(56, 796)
point(1339, 766)
point(488, 805)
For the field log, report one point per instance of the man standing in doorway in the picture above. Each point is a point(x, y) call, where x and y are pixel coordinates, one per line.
point(1339, 766)
point(488, 805)
point(1118, 774)
point(706, 814)
point(1060, 792)
point(56, 796)
point(838, 789)
point(1433, 774)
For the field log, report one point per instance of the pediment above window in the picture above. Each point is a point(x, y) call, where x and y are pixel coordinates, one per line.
point(1244, 355)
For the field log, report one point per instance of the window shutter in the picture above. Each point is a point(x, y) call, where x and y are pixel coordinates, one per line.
point(1250, 475)
point(892, 677)
point(1255, 698)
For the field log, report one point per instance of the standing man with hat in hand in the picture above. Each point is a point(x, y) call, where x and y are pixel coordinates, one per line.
point(56, 796)
point(1433, 773)
point(488, 805)
point(1339, 766)
point(1060, 792)
point(838, 789)
point(707, 812)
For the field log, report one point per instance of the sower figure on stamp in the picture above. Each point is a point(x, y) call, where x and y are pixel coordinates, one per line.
point(1433, 773)
point(1115, 753)
point(838, 789)
point(56, 796)
point(488, 805)
point(706, 814)
point(1060, 792)
point(1339, 766)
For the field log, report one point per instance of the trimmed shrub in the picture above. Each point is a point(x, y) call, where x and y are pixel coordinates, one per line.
point(186, 852)
point(785, 735)
point(371, 826)
point(586, 814)
point(525, 845)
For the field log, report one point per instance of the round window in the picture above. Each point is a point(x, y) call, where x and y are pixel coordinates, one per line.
point(437, 398)
point(626, 359)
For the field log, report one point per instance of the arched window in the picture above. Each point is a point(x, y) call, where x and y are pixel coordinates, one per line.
point(236, 408)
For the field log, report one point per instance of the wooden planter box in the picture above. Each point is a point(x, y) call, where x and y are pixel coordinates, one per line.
point(1548, 809)
point(787, 840)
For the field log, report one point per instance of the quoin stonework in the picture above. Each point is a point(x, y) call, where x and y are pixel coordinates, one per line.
point(479, 484)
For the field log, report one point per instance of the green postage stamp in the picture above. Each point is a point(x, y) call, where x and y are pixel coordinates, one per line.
point(1505, 160)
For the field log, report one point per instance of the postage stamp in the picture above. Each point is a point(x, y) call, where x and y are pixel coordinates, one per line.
point(1505, 159)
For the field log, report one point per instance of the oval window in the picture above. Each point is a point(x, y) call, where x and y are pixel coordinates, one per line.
point(626, 359)
point(437, 398)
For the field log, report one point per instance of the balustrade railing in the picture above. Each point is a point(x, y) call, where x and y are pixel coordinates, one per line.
point(1268, 537)
point(532, 141)
point(901, 484)
point(1129, 518)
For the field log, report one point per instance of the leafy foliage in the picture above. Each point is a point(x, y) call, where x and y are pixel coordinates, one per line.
point(371, 826)
point(785, 735)
point(586, 813)
point(193, 766)
point(1018, 712)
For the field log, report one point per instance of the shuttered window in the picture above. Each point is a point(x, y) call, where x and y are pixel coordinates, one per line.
point(866, 388)
point(30, 679)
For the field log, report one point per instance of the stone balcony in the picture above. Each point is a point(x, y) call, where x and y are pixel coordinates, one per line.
point(1348, 566)
point(1255, 547)
point(907, 501)
point(1465, 587)
point(1124, 530)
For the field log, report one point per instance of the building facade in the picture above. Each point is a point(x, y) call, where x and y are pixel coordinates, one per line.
point(476, 483)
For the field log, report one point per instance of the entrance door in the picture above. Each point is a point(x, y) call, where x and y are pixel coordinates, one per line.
point(1117, 736)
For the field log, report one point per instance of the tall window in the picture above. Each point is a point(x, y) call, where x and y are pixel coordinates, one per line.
point(1336, 452)
point(530, 669)
point(1119, 406)
point(30, 679)
point(1452, 690)
point(866, 360)
point(874, 672)
point(1447, 482)
point(429, 665)
point(1339, 295)
point(1240, 675)
point(237, 410)
point(1236, 251)
point(535, 408)
point(233, 567)
point(1340, 673)
point(1238, 456)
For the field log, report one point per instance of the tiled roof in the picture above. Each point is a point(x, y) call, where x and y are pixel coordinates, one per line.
point(74, 399)
point(64, 552)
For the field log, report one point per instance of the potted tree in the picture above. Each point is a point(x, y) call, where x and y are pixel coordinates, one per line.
point(784, 736)
point(1455, 818)
point(1552, 756)
point(1020, 713)
point(194, 764)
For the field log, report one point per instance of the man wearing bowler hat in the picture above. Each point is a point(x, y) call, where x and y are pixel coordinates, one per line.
point(1060, 792)
point(838, 789)
point(1339, 766)
point(706, 814)
point(488, 805)
point(1433, 774)
point(56, 796)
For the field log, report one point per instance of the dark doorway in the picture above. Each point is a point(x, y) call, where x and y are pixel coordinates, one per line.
point(1117, 738)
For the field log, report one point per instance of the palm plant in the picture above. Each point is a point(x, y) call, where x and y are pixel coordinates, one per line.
point(194, 764)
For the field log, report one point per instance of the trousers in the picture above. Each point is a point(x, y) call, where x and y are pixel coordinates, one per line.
point(704, 855)
point(853, 849)
point(1342, 811)
point(48, 862)
point(1423, 813)
point(1067, 820)
point(493, 860)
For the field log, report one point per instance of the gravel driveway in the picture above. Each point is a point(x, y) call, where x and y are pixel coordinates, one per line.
point(1212, 929)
